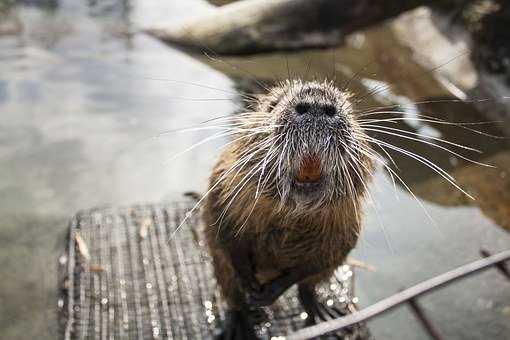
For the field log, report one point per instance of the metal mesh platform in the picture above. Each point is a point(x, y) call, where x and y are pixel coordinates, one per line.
point(125, 274)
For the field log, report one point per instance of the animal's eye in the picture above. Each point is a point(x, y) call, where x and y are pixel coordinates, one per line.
point(302, 108)
point(329, 110)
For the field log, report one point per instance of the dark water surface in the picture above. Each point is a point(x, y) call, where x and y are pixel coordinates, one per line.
point(80, 115)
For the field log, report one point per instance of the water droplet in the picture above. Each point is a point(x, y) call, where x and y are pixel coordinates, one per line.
point(303, 315)
point(329, 302)
point(155, 332)
point(60, 303)
point(104, 301)
point(148, 285)
point(332, 286)
point(355, 300)
point(208, 304)
point(62, 259)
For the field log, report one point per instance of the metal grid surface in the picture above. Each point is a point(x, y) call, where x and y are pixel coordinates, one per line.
point(126, 274)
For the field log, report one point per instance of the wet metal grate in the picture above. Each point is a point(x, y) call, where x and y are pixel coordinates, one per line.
point(125, 274)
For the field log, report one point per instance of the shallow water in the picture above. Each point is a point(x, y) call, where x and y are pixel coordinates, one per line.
point(79, 128)
point(81, 117)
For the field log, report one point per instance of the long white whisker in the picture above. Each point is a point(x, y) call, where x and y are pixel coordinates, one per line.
point(432, 120)
point(467, 101)
point(404, 184)
point(240, 186)
point(259, 147)
point(192, 210)
point(422, 160)
point(431, 144)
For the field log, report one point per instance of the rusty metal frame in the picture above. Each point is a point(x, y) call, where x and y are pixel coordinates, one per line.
point(410, 296)
point(123, 276)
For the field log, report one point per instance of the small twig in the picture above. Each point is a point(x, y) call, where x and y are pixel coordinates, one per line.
point(360, 264)
point(96, 268)
point(144, 228)
point(82, 246)
point(84, 252)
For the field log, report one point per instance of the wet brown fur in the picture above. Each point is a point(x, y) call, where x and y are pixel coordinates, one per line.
point(278, 238)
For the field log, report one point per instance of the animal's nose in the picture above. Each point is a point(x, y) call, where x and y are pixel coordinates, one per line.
point(315, 110)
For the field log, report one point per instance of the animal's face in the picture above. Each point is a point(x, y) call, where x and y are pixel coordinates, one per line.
point(317, 154)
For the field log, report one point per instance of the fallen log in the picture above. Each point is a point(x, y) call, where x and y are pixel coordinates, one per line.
point(254, 26)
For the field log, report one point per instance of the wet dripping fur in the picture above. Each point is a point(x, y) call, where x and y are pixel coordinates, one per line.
point(285, 199)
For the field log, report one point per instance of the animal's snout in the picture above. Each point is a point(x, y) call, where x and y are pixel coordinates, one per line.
point(304, 108)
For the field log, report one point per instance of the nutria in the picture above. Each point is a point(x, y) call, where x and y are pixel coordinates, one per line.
point(285, 199)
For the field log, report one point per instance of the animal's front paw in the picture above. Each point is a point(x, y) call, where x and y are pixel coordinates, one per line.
point(266, 295)
point(236, 327)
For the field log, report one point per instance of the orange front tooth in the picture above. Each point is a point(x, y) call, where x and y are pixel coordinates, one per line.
point(310, 170)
